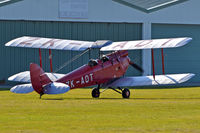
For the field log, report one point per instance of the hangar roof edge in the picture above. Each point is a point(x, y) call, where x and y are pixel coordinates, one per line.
point(7, 2)
point(150, 5)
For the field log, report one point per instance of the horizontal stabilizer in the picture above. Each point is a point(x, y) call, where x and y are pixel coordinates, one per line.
point(56, 88)
point(52, 88)
point(24, 77)
point(22, 89)
point(149, 80)
point(147, 44)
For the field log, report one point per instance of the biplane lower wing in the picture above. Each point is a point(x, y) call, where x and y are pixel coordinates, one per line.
point(149, 80)
point(24, 77)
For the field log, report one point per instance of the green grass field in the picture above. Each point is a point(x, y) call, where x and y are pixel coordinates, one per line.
point(175, 110)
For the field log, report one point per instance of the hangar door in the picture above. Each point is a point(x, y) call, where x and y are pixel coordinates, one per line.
point(183, 59)
point(15, 60)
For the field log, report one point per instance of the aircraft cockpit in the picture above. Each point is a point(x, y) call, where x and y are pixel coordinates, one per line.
point(104, 58)
point(92, 62)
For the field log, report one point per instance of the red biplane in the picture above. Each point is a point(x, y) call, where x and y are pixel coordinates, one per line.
point(106, 72)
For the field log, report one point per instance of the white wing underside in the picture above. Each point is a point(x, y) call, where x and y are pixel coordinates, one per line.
point(149, 80)
point(62, 44)
point(24, 77)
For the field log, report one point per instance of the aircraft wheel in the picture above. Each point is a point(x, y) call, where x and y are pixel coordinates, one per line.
point(125, 93)
point(95, 93)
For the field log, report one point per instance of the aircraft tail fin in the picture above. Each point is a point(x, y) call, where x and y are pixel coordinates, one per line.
point(38, 78)
point(42, 84)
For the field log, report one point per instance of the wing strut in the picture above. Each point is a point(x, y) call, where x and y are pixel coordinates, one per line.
point(153, 66)
point(50, 59)
point(163, 64)
point(40, 54)
point(153, 62)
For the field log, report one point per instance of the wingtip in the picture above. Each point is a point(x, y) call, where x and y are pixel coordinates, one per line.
point(187, 77)
point(185, 41)
point(189, 39)
point(22, 89)
point(12, 89)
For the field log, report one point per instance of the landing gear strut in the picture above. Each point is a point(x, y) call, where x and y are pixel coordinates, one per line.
point(124, 92)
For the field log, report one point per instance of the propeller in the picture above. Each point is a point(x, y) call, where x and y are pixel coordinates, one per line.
point(136, 66)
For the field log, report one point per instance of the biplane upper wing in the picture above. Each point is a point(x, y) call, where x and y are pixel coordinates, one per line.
point(147, 44)
point(24, 77)
point(58, 44)
point(149, 80)
point(62, 44)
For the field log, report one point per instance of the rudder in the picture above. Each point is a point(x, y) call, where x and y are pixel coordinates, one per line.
point(38, 78)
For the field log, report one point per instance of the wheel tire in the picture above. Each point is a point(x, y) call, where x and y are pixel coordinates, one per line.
point(95, 93)
point(126, 93)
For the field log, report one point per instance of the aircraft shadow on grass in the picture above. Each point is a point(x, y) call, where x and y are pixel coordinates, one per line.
point(83, 98)
point(187, 98)
point(4, 89)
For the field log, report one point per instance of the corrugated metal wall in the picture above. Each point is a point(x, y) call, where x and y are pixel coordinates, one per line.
point(14, 60)
point(183, 59)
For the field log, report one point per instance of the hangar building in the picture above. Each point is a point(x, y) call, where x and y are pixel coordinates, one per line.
point(92, 20)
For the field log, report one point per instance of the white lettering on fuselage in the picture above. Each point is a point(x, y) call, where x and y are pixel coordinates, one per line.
point(91, 76)
point(71, 83)
point(87, 78)
point(84, 80)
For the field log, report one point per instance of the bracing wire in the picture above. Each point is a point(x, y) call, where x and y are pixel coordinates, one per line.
point(73, 59)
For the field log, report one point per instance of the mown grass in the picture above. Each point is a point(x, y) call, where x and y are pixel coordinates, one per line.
point(175, 110)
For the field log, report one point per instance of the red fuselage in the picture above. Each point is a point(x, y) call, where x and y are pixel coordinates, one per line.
point(102, 72)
